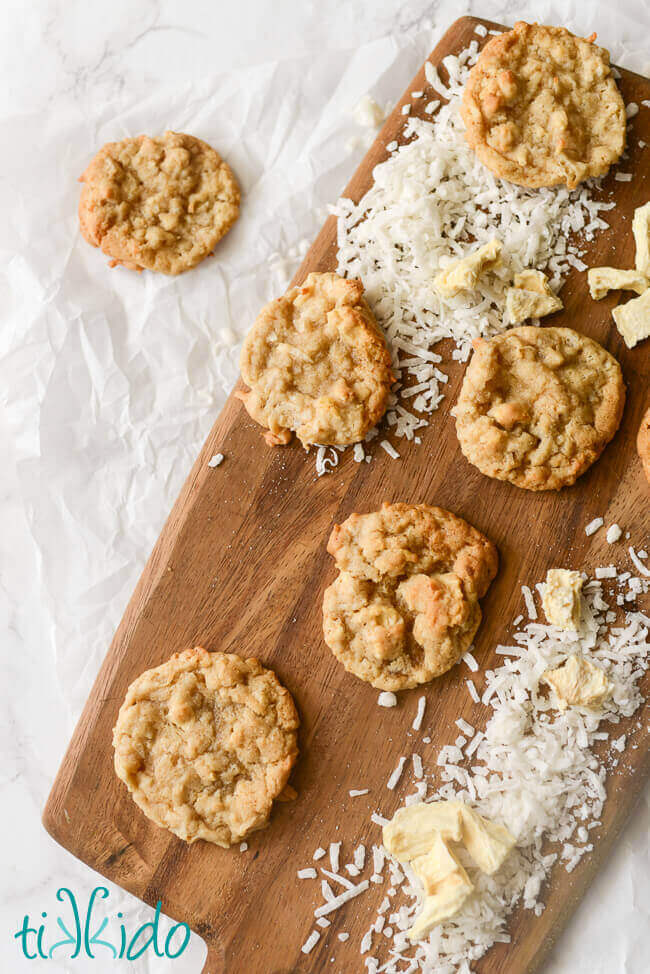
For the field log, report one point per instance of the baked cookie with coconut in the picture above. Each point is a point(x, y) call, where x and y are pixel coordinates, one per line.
point(404, 607)
point(643, 443)
point(204, 743)
point(317, 365)
point(538, 406)
point(542, 108)
point(158, 203)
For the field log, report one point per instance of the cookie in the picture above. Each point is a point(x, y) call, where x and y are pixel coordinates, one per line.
point(541, 107)
point(317, 365)
point(643, 443)
point(157, 203)
point(404, 607)
point(538, 406)
point(204, 743)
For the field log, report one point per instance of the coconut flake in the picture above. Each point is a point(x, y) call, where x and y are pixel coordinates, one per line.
point(638, 564)
point(342, 898)
point(471, 661)
point(530, 602)
point(392, 782)
point(417, 721)
point(310, 942)
point(594, 526)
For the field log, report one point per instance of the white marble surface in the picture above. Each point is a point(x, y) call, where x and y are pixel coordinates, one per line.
point(105, 401)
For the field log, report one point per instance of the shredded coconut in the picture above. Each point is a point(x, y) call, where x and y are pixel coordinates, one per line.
point(309, 873)
point(326, 459)
point(471, 662)
point(638, 564)
point(532, 770)
point(613, 534)
point(430, 199)
point(310, 942)
point(391, 784)
point(342, 898)
point(387, 699)
point(216, 460)
point(530, 602)
point(594, 526)
point(606, 571)
point(417, 722)
point(390, 449)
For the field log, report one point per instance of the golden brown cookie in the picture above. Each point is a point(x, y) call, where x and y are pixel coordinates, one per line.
point(204, 743)
point(538, 406)
point(157, 203)
point(404, 607)
point(643, 443)
point(317, 364)
point(541, 107)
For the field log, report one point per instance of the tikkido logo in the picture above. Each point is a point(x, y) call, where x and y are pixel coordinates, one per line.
point(87, 934)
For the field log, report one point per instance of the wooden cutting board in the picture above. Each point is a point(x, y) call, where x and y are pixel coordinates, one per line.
point(241, 566)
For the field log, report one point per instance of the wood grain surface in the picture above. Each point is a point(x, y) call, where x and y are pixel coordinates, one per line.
point(241, 566)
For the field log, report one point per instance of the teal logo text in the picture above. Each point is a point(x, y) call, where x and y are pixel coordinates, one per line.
point(87, 933)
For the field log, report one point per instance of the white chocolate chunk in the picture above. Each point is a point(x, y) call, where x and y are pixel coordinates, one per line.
point(641, 231)
point(561, 598)
point(437, 865)
point(579, 683)
point(446, 885)
point(604, 279)
point(413, 829)
point(421, 833)
point(487, 843)
point(531, 297)
point(442, 905)
point(463, 274)
point(633, 319)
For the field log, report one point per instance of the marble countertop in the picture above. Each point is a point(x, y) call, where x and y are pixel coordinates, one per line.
point(105, 404)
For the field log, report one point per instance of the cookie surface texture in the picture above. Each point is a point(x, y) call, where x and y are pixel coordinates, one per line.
point(542, 108)
point(538, 406)
point(643, 443)
point(158, 203)
point(204, 743)
point(404, 607)
point(317, 364)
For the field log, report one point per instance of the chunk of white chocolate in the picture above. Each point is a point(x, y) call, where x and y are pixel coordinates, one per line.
point(463, 274)
point(604, 279)
point(633, 319)
point(531, 297)
point(561, 599)
point(641, 231)
point(579, 683)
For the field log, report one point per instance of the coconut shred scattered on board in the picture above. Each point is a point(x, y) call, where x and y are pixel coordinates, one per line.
point(530, 768)
point(430, 201)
